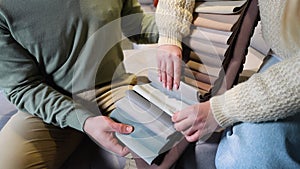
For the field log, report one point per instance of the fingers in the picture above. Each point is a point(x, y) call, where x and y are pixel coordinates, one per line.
point(163, 74)
point(183, 124)
point(169, 66)
point(183, 120)
point(177, 73)
point(121, 128)
point(192, 122)
point(102, 130)
point(193, 137)
point(189, 129)
point(185, 113)
point(113, 145)
point(166, 74)
point(161, 65)
point(170, 74)
point(159, 68)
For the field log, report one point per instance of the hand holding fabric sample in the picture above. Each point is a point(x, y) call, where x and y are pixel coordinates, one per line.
point(195, 122)
point(104, 134)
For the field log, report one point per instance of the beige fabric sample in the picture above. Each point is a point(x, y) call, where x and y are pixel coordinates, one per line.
point(201, 85)
point(212, 24)
point(219, 7)
point(212, 71)
point(206, 47)
point(228, 18)
point(199, 76)
point(214, 36)
point(209, 60)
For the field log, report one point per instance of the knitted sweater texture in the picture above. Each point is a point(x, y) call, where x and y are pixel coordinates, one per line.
point(173, 19)
point(268, 96)
point(51, 50)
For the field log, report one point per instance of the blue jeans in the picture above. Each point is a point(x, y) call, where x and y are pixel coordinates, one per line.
point(261, 145)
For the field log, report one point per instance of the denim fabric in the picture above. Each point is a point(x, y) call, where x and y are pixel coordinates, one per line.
point(269, 61)
point(261, 145)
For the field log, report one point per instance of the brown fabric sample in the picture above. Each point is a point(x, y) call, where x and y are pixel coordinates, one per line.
point(211, 71)
point(200, 85)
point(199, 76)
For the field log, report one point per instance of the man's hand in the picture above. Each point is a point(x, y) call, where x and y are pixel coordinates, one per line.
point(195, 121)
point(169, 65)
point(101, 129)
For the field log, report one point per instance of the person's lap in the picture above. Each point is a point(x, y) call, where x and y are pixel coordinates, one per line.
point(261, 145)
point(200, 155)
point(27, 142)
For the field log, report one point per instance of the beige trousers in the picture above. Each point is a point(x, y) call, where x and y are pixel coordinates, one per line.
point(27, 142)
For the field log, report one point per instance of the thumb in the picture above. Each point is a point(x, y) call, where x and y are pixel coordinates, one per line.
point(122, 128)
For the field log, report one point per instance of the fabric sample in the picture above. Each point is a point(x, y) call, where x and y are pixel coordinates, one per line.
point(219, 7)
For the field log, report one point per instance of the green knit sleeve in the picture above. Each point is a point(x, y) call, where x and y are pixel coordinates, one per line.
point(138, 26)
point(25, 86)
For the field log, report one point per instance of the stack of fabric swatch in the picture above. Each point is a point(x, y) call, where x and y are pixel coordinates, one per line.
point(214, 31)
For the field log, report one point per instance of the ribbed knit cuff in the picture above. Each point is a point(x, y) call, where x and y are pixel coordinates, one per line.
point(169, 41)
point(217, 105)
point(76, 118)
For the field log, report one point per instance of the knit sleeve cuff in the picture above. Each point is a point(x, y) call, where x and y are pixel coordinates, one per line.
point(77, 118)
point(217, 104)
point(167, 40)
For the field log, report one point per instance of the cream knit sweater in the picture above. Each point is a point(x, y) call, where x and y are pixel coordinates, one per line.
point(173, 18)
point(268, 96)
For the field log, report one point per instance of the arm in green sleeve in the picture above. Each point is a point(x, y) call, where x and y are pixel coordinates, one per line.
point(24, 85)
point(138, 26)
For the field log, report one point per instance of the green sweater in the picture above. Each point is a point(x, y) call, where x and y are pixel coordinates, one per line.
point(53, 49)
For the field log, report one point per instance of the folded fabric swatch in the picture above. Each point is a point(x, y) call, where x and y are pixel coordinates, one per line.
point(212, 24)
point(203, 87)
point(219, 7)
point(213, 61)
point(224, 18)
point(206, 47)
point(199, 76)
point(212, 35)
point(185, 92)
point(211, 71)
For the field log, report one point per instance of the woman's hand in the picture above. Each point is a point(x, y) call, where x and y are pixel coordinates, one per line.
point(101, 129)
point(195, 121)
point(169, 65)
